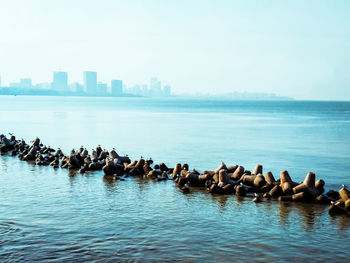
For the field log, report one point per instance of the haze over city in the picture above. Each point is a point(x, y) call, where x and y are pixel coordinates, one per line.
point(174, 130)
point(91, 86)
point(291, 48)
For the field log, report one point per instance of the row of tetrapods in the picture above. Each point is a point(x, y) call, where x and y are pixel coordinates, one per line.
point(224, 180)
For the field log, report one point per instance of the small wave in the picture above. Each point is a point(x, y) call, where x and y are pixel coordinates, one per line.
point(8, 227)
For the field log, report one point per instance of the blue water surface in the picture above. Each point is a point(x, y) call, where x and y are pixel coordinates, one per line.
point(57, 215)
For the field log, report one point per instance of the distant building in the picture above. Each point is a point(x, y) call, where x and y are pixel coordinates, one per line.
point(155, 87)
point(25, 83)
point(136, 90)
point(144, 90)
point(90, 82)
point(167, 90)
point(15, 85)
point(102, 88)
point(77, 87)
point(60, 81)
point(116, 87)
point(0, 81)
point(43, 86)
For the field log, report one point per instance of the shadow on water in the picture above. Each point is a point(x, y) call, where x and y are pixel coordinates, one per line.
point(343, 221)
point(3, 162)
point(284, 213)
point(307, 212)
point(222, 201)
point(142, 183)
point(73, 176)
point(240, 199)
point(110, 182)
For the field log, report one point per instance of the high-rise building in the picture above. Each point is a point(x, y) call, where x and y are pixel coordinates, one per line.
point(155, 87)
point(116, 87)
point(26, 83)
point(60, 81)
point(90, 82)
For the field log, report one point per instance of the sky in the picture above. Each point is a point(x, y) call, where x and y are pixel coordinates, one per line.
point(291, 48)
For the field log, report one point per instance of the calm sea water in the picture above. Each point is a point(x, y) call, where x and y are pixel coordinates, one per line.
point(56, 215)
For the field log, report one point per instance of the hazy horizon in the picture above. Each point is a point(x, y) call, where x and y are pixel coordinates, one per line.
point(297, 49)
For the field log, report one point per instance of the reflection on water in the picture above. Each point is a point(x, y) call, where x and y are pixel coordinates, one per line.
point(221, 200)
point(308, 213)
point(72, 176)
point(62, 215)
point(110, 183)
point(284, 213)
point(343, 223)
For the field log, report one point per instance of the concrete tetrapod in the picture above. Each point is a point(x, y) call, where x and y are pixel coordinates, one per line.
point(224, 180)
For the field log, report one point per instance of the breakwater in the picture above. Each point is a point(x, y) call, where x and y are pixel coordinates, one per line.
point(224, 179)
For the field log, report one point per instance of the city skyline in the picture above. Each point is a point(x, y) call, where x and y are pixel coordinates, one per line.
point(61, 85)
point(291, 48)
point(91, 85)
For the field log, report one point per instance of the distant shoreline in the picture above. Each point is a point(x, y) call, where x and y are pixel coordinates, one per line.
point(180, 97)
point(5, 91)
point(38, 92)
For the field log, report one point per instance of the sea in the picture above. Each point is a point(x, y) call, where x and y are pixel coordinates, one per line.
point(58, 215)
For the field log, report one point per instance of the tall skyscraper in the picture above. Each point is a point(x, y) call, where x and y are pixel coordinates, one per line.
point(60, 81)
point(155, 87)
point(116, 87)
point(90, 82)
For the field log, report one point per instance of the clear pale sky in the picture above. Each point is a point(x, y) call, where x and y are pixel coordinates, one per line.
point(291, 48)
